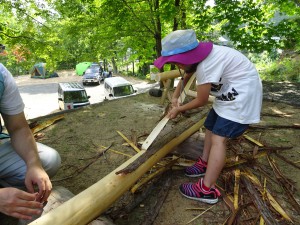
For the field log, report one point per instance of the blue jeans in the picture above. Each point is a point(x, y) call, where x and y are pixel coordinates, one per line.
point(223, 127)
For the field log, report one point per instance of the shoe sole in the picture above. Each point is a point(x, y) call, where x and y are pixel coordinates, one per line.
point(195, 175)
point(209, 201)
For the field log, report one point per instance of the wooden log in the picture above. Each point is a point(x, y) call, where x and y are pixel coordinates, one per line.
point(155, 207)
point(93, 201)
point(193, 94)
point(167, 85)
point(122, 211)
point(58, 196)
point(168, 75)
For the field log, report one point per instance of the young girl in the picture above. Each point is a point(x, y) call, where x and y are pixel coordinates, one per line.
point(229, 76)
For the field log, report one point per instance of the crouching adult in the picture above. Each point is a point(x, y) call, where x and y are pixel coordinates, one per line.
point(25, 166)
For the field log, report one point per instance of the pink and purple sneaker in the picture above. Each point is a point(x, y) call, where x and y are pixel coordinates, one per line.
point(196, 170)
point(196, 191)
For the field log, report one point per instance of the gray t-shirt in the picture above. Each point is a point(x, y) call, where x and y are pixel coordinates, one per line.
point(11, 102)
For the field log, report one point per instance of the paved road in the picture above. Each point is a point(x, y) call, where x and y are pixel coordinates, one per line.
point(40, 95)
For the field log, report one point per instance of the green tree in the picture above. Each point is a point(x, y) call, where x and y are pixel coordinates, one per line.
point(65, 32)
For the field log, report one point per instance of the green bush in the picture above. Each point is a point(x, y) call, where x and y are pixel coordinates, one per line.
point(287, 69)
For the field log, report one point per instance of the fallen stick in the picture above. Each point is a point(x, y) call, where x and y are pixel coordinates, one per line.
point(79, 170)
point(253, 140)
point(117, 152)
point(153, 175)
point(261, 205)
point(200, 214)
point(276, 115)
point(288, 161)
point(270, 178)
point(128, 141)
point(266, 194)
point(285, 184)
point(293, 126)
point(230, 162)
point(233, 217)
point(45, 124)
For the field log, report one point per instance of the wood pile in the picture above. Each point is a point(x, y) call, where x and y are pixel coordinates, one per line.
point(253, 187)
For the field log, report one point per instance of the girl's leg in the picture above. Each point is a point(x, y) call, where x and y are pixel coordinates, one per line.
point(216, 159)
point(199, 168)
point(207, 145)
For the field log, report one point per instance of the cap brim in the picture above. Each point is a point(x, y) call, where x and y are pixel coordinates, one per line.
point(196, 55)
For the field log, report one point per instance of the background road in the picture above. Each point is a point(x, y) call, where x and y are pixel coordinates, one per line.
point(40, 95)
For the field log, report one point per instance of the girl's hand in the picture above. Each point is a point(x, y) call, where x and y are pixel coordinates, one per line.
point(173, 112)
point(175, 102)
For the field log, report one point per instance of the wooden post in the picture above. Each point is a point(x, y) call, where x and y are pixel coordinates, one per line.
point(165, 94)
point(168, 75)
point(93, 201)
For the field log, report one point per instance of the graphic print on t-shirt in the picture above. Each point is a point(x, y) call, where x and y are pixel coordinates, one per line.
point(216, 87)
point(230, 96)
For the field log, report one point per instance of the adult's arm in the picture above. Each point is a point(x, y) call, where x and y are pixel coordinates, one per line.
point(24, 144)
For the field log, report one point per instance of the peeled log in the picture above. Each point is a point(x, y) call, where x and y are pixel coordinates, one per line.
point(168, 75)
point(96, 199)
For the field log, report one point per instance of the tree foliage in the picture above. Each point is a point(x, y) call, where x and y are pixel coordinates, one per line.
point(63, 33)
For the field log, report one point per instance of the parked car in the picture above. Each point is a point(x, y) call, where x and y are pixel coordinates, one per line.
point(72, 95)
point(117, 87)
point(91, 76)
point(94, 65)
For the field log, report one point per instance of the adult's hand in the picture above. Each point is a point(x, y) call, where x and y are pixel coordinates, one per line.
point(36, 175)
point(19, 204)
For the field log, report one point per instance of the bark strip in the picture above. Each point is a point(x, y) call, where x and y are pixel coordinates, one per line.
point(260, 204)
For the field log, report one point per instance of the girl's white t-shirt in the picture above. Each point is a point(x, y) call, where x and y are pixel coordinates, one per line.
point(235, 84)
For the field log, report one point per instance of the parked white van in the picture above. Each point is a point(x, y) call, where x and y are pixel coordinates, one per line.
point(72, 95)
point(117, 87)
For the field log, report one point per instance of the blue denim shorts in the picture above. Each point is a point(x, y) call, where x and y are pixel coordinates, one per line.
point(223, 127)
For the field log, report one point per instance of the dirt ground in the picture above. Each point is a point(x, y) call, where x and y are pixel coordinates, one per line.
point(85, 132)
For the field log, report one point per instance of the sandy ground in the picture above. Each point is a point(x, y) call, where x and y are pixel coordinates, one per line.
point(83, 133)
